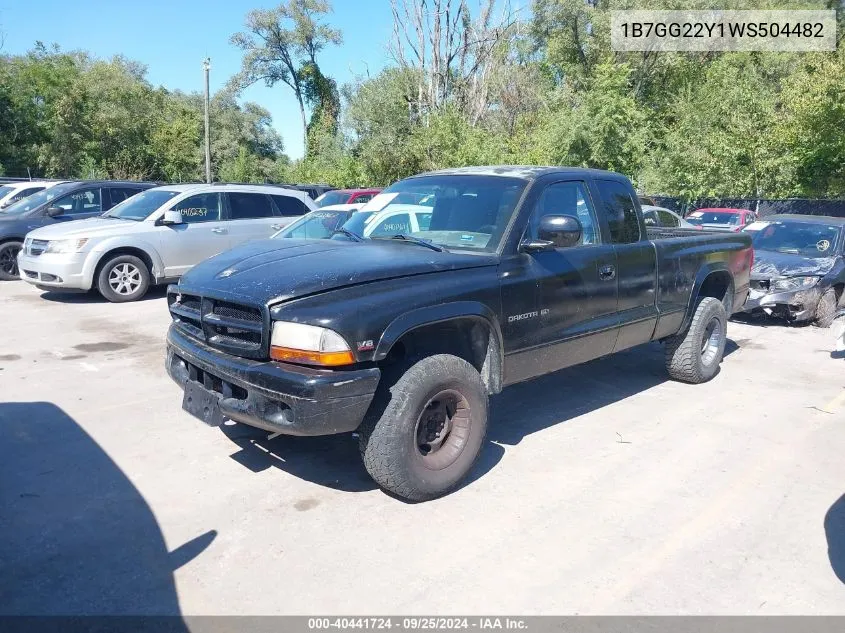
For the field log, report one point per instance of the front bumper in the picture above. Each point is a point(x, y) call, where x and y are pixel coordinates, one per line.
point(59, 270)
point(278, 397)
point(795, 305)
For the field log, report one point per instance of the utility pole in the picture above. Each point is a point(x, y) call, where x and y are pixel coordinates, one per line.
point(206, 66)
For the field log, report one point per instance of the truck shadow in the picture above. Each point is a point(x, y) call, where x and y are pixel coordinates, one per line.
point(333, 461)
point(156, 292)
point(76, 537)
point(834, 530)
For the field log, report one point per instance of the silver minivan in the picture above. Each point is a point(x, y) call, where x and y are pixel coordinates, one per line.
point(155, 237)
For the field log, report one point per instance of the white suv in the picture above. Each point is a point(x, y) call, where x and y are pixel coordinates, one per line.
point(154, 237)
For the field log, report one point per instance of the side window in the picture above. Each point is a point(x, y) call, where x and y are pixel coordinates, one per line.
point(399, 223)
point(24, 193)
point(424, 221)
point(650, 218)
point(244, 206)
point(79, 202)
point(119, 194)
point(621, 212)
point(289, 206)
point(203, 207)
point(667, 219)
point(568, 198)
point(362, 198)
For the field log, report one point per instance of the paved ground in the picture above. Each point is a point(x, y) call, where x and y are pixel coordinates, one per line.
point(603, 489)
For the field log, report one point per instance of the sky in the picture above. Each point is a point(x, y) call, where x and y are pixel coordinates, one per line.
point(173, 37)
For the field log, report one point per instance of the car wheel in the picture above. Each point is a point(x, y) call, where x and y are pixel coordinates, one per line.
point(425, 430)
point(123, 278)
point(9, 260)
point(826, 309)
point(694, 355)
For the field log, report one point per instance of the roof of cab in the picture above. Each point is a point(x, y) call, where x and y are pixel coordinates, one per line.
point(527, 172)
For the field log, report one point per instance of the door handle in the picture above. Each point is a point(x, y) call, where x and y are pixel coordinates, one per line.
point(607, 272)
point(219, 231)
point(276, 227)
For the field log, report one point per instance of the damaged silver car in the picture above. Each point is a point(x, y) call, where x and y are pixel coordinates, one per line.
point(798, 271)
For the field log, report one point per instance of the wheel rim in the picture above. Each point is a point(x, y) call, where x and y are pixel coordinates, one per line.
point(9, 260)
point(125, 279)
point(711, 341)
point(443, 429)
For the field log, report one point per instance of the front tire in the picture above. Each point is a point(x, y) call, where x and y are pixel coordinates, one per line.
point(425, 430)
point(694, 356)
point(9, 260)
point(123, 278)
point(826, 310)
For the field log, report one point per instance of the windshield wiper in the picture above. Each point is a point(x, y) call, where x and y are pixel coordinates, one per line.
point(353, 236)
point(412, 240)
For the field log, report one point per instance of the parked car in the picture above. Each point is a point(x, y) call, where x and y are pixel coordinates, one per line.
point(721, 219)
point(155, 237)
point(320, 224)
point(13, 191)
point(346, 196)
point(521, 271)
point(58, 204)
point(798, 271)
point(664, 218)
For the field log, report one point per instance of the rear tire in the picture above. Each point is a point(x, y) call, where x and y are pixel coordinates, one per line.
point(826, 309)
point(694, 355)
point(123, 278)
point(425, 430)
point(9, 260)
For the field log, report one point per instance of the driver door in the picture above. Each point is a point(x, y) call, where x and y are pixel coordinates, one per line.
point(203, 233)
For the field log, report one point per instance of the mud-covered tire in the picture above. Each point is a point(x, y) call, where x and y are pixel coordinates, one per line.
point(694, 356)
point(128, 269)
point(406, 409)
point(8, 260)
point(826, 310)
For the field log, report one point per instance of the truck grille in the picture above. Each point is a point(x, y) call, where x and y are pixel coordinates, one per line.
point(233, 328)
point(35, 247)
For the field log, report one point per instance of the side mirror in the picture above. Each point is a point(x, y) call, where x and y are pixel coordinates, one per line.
point(172, 217)
point(54, 211)
point(555, 231)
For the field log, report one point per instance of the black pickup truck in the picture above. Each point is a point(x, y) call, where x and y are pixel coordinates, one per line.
point(495, 275)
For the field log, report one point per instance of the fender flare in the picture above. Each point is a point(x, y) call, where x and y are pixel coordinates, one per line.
point(707, 269)
point(430, 315)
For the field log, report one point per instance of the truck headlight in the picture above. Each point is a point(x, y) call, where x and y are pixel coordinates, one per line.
point(795, 283)
point(309, 344)
point(65, 246)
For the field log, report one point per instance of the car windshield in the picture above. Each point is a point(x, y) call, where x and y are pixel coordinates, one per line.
point(714, 217)
point(317, 225)
point(800, 238)
point(456, 211)
point(332, 197)
point(5, 190)
point(141, 205)
point(38, 199)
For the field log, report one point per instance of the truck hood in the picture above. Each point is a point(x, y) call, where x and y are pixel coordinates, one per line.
point(776, 264)
point(89, 227)
point(269, 271)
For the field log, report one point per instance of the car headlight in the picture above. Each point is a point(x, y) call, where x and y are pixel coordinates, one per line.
point(65, 246)
point(309, 344)
point(795, 283)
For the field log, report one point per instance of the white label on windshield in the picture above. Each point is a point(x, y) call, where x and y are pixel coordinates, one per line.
point(757, 226)
point(379, 202)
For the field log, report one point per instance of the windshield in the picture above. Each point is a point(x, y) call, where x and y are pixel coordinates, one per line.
point(38, 199)
point(800, 238)
point(5, 190)
point(456, 211)
point(141, 205)
point(332, 197)
point(714, 217)
point(317, 225)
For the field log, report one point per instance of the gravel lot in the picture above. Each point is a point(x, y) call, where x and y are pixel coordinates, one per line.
point(604, 489)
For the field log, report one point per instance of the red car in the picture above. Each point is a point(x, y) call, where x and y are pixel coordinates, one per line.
point(346, 196)
point(721, 219)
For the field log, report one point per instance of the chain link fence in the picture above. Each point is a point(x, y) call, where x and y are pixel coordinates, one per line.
point(763, 206)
